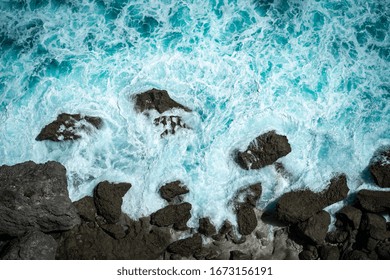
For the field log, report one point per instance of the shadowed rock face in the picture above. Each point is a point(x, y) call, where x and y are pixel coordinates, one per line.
point(158, 100)
point(67, 127)
point(108, 199)
point(176, 215)
point(263, 151)
point(298, 206)
point(380, 168)
point(315, 228)
point(34, 245)
point(35, 196)
point(373, 201)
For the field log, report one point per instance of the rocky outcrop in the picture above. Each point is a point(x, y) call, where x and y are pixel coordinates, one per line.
point(186, 247)
point(298, 206)
point(68, 127)
point(350, 216)
point(206, 227)
point(263, 151)
point(249, 195)
point(35, 197)
point(246, 219)
point(380, 168)
point(170, 124)
point(373, 201)
point(86, 208)
point(35, 245)
point(158, 100)
point(315, 228)
point(176, 215)
point(108, 199)
point(172, 190)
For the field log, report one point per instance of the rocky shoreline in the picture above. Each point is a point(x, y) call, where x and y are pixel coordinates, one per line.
point(38, 220)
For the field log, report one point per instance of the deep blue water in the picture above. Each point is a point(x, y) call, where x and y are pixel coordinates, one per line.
point(315, 71)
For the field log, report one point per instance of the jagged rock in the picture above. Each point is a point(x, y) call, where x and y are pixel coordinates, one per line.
point(186, 247)
point(176, 215)
point(206, 227)
point(34, 245)
point(298, 206)
point(309, 253)
point(224, 230)
point(108, 199)
point(263, 151)
point(238, 255)
point(86, 208)
point(158, 100)
point(68, 127)
point(328, 252)
point(249, 195)
point(315, 228)
point(380, 168)
point(373, 201)
point(35, 196)
point(170, 123)
point(246, 219)
point(350, 216)
point(374, 226)
point(337, 236)
point(173, 189)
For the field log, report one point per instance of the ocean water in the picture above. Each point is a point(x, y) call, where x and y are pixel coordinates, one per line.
point(315, 71)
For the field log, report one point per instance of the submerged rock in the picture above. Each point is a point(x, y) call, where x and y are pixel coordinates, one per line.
point(173, 189)
point(380, 168)
point(170, 123)
point(176, 215)
point(298, 206)
point(108, 199)
point(35, 196)
point(68, 127)
point(34, 245)
point(263, 151)
point(186, 247)
point(373, 201)
point(158, 100)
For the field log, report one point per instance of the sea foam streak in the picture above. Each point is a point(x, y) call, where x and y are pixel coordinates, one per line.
point(317, 72)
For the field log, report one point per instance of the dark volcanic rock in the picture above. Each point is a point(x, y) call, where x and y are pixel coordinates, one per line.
point(316, 227)
point(337, 236)
point(250, 195)
point(67, 127)
point(176, 215)
point(170, 123)
point(158, 100)
point(350, 216)
point(186, 247)
point(309, 253)
point(86, 208)
point(374, 226)
point(355, 255)
point(34, 245)
point(116, 231)
point(373, 201)
point(108, 199)
point(246, 219)
point(383, 250)
point(263, 151)
point(35, 196)
point(298, 206)
point(380, 168)
point(238, 255)
point(328, 252)
point(206, 227)
point(173, 189)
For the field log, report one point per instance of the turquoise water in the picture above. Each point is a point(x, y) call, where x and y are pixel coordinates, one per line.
point(315, 71)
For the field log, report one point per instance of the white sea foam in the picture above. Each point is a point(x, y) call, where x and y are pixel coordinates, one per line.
point(302, 71)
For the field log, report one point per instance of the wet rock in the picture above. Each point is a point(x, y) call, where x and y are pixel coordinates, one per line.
point(86, 208)
point(380, 168)
point(328, 252)
point(225, 229)
point(373, 201)
point(158, 100)
point(206, 227)
point(207, 254)
point(315, 228)
point(246, 219)
point(263, 151)
point(34, 245)
point(309, 253)
point(108, 199)
point(249, 195)
point(238, 255)
point(176, 215)
point(186, 247)
point(173, 189)
point(35, 196)
point(170, 123)
point(298, 206)
point(68, 127)
point(350, 216)
point(374, 226)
